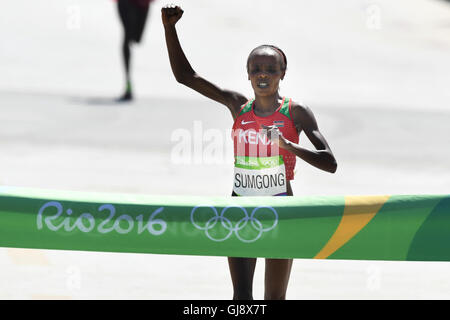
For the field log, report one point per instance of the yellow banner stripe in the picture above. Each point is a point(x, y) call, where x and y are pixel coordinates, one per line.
point(358, 212)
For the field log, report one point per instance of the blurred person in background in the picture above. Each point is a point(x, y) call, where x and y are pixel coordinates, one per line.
point(133, 15)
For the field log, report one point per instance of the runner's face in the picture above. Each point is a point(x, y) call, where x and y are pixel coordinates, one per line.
point(264, 71)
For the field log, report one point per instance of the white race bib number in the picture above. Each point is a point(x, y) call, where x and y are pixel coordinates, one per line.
point(265, 176)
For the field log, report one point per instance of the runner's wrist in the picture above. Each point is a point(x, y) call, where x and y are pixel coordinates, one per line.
point(169, 26)
point(286, 144)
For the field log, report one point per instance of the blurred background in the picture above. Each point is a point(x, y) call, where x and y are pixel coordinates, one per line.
point(375, 74)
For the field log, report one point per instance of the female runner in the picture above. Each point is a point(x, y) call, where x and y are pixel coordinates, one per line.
point(282, 120)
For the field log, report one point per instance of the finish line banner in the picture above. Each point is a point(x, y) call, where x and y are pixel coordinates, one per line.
point(391, 227)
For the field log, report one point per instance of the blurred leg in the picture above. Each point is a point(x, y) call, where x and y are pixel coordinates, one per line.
point(126, 17)
point(140, 20)
point(126, 59)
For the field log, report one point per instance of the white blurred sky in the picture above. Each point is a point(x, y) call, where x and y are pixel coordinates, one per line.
point(355, 52)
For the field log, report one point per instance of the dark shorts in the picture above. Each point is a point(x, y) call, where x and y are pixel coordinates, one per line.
point(133, 17)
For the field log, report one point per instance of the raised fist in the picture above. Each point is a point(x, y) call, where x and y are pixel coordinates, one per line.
point(171, 14)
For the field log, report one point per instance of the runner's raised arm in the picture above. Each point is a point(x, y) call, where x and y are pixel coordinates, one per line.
point(183, 71)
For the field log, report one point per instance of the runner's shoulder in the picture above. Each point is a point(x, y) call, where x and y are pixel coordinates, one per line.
point(235, 101)
point(301, 114)
point(299, 108)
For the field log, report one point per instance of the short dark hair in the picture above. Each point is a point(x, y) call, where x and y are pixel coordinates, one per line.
point(275, 48)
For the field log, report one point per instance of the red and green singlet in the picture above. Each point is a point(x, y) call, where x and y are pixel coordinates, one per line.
point(262, 168)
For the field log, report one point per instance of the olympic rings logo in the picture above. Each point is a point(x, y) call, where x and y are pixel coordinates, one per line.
point(239, 229)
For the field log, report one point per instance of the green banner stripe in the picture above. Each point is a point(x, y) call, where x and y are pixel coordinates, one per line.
point(435, 231)
point(389, 234)
point(276, 227)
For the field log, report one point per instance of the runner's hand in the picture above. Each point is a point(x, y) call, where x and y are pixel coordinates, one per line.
point(171, 14)
point(274, 134)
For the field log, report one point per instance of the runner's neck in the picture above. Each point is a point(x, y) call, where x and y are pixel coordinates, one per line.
point(264, 106)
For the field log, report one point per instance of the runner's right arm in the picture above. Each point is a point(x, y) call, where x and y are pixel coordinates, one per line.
point(183, 71)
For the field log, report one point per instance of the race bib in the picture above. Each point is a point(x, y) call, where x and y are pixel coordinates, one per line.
point(262, 176)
